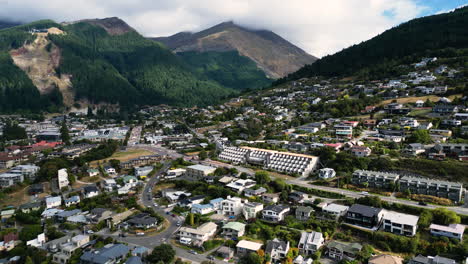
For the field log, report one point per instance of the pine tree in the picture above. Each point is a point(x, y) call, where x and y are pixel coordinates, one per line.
point(64, 132)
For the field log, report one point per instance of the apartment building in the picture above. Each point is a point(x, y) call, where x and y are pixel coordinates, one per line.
point(66, 250)
point(199, 171)
point(10, 179)
point(444, 189)
point(285, 162)
point(375, 179)
point(63, 178)
point(400, 224)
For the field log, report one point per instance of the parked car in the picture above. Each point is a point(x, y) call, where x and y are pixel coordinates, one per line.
point(364, 193)
point(140, 234)
point(422, 203)
point(193, 252)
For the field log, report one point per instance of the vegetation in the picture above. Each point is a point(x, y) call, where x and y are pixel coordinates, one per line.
point(163, 253)
point(376, 57)
point(13, 131)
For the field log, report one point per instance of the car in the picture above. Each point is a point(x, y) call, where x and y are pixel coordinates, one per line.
point(155, 205)
point(140, 234)
point(173, 215)
point(210, 257)
point(422, 203)
point(193, 252)
point(90, 232)
point(364, 193)
point(168, 213)
point(179, 223)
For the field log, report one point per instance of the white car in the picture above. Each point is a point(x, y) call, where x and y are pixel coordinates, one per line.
point(364, 193)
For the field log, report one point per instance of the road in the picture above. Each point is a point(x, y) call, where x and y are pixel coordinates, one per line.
point(146, 198)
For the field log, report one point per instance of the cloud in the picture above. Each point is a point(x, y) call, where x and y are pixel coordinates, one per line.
point(319, 27)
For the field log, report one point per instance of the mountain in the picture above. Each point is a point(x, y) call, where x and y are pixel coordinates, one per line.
point(7, 24)
point(374, 58)
point(98, 62)
point(274, 55)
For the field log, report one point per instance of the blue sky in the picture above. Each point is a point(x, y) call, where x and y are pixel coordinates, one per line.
point(436, 6)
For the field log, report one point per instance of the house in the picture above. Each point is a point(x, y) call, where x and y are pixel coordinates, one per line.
point(39, 241)
point(54, 201)
point(92, 172)
point(400, 224)
point(297, 197)
point(385, 259)
point(97, 215)
point(343, 251)
point(361, 151)
point(300, 260)
point(270, 198)
point(327, 173)
point(251, 209)
point(415, 149)
point(419, 259)
point(451, 231)
point(245, 247)
point(251, 192)
point(303, 212)
point(109, 254)
point(109, 185)
point(233, 230)
point(90, 191)
point(141, 252)
point(66, 250)
point(134, 260)
point(217, 203)
point(173, 196)
point(444, 109)
point(72, 200)
point(310, 242)
point(277, 250)
point(240, 185)
point(335, 210)
point(365, 216)
point(232, 206)
point(199, 171)
point(196, 236)
point(275, 213)
point(142, 172)
point(36, 189)
point(29, 207)
point(419, 103)
point(189, 202)
point(202, 209)
point(109, 170)
point(5, 214)
point(142, 221)
point(171, 174)
point(225, 252)
point(64, 215)
point(62, 178)
point(130, 180)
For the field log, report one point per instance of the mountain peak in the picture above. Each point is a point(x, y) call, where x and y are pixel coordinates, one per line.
point(274, 55)
point(113, 25)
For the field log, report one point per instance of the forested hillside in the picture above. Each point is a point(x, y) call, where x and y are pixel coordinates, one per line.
point(227, 68)
point(126, 68)
point(374, 58)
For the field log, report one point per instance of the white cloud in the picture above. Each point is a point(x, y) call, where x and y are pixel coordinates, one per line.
point(320, 27)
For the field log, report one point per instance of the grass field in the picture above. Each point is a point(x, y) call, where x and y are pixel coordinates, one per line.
point(21, 196)
point(124, 155)
point(406, 100)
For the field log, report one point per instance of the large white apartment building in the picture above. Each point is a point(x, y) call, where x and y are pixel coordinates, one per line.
point(286, 162)
point(62, 178)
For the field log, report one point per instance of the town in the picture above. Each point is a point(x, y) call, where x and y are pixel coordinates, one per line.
point(312, 171)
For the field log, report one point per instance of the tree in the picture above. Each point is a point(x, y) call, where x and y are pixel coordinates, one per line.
point(444, 216)
point(262, 177)
point(13, 131)
point(420, 136)
point(28, 260)
point(163, 253)
point(64, 132)
point(203, 155)
point(425, 219)
point(191, 219)
point(251, 258)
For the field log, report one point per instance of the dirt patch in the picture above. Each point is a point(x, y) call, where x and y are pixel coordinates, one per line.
point(406, 100)
point(124, 156)
point(39, 60)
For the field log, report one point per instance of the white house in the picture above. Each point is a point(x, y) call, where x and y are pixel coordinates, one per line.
point(310, 242)
point(62, 178)
point(451, 231)
point(327, 173)
point(241, 184)
point(245, 247)
point(54, 201)
point(277, 250)
point(188, 235)
point(250, 210)
point(72, 200)
point(175, 173)
point(335, 210)
point(109, 170)
point(400, 224)
point(37, 242)
point(90, 191)
point(202, 209)
point(231, 206)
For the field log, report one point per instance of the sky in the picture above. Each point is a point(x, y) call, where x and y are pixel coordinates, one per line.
point(320, 27)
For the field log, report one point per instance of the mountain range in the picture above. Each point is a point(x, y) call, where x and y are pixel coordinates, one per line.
point(47, 65)
point(273, 54)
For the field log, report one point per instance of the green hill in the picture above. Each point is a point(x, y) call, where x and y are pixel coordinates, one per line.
point(407, 42)
point(104, 65)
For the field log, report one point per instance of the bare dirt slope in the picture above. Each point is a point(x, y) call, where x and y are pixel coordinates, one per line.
point(39, 60)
